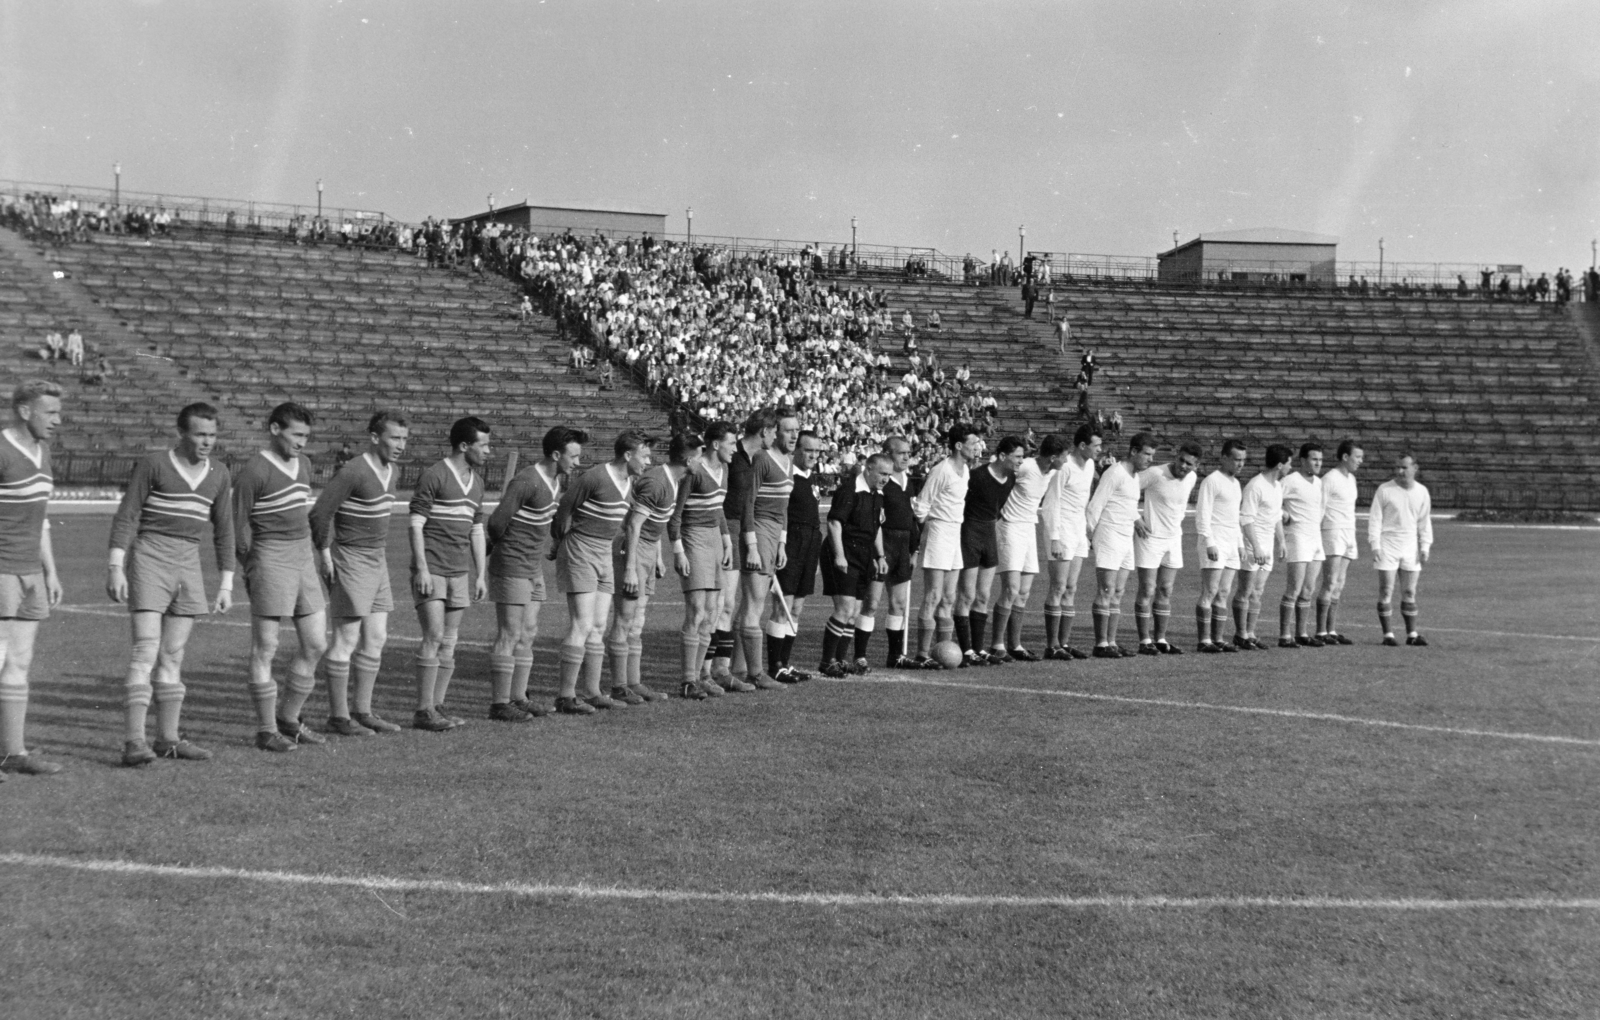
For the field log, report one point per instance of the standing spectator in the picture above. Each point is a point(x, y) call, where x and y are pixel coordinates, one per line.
point(1082, 384)
point(75, 348)
point(1087, 365)
point(1063, 334)
point(1030, 294)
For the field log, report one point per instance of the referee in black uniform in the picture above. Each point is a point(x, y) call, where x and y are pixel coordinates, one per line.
point(900, 542)
point(802, 550)
point(853, 559)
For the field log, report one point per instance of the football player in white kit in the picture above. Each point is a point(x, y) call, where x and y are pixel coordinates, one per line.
point(1217, 544)
point(1338, 538)
point(1302, 546)
point(1261, 527)
point(1113, 520)
point(1158, 554)
point(939, 506)
point(1065, 538)
point(1400, 532)
point(1017, 534)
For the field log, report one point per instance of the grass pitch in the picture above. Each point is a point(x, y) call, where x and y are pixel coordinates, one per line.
point(1332, 854)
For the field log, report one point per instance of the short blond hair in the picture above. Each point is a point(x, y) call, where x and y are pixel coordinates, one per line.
point(30, 390)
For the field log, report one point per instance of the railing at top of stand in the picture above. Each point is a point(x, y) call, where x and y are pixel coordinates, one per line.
point(194, 209)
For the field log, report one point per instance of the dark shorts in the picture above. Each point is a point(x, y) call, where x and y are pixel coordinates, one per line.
point(454, 591)
point(897, 550)
point(281, 578)
point(798, 577)
point(979, 548)
point(516, 591)
point(164, 577)
point(855, 581)
point(360, 583)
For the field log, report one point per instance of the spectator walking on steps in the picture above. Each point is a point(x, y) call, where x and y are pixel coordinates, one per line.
point(1087, 365)
point(1063, 334)
point(1030, 294)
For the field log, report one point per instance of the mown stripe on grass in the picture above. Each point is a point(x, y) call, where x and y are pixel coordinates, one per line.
point(1285, 713)
point(611, 892)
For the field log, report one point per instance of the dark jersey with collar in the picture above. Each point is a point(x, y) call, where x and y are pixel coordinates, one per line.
point(858, 510)
point(986, 495)
point(805, 502)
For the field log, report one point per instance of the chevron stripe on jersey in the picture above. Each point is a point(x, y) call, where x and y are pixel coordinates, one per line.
point(655, 495)
point(599, 502)
point(519, 528)
point(354, 509)
point(451, 506)
point(163, 500)
point(270, 503)
point(25, 487)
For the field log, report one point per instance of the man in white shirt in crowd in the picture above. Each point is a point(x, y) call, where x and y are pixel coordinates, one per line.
point(1261, 528)
point(1158, 553)
point(1113, 520)
point(1338, 538)
point(1065, 539)
point(1400, 532)
point(1302, 546)
point(1218, 544)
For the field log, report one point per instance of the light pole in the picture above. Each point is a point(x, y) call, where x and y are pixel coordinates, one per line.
point(116, 193)
point(1174, 238)
point(319, 198)
point(1380, 261)
point(852, 237)
point(1022, 240)
point(688, 214)
point(490, 200)
point(1594, 250)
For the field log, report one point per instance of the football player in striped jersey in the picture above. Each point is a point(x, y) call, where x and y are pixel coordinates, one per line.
point(638, 562)
point(29, 588)
point(448, 550)
point(272, 539)
point(155, 568)
point(763, 532)
point(519, 541)
point(350, 530)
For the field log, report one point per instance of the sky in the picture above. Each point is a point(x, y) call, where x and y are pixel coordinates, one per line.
point(1458, 132)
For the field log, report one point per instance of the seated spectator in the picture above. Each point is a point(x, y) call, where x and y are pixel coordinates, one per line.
point(933, 320)
point(54, 345)
point(607, 381)
point(75, 348)
point(99, 373)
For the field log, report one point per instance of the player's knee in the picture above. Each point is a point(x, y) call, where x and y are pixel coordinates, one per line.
point(145, 651)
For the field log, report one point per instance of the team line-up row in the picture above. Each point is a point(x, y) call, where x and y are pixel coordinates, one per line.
point(735, 513)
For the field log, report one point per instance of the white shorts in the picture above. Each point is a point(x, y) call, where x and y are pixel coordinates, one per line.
point(941, 546)
point(1340, 543)
point(1112, 551)
point(1303, 547)
point(1074, 541)
point(1018, 546)
point(1158, 552)
point(1228, 552)
point(1400, 555)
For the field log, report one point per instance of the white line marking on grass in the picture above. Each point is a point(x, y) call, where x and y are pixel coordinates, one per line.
point(612, 892)
point(1285, 713)
point(1490, 633)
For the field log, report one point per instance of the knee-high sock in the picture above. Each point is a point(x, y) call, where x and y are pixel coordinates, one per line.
point(571, 666)
point(1251, 615)
point(13, 717)
point(265, 696)
point(500, 669)
point(1241, 614)
point(616, 657)
point(169, 709)
point(594, 662)
point(1408, 612)
point(1101, 627)
point(1302, 615)
point(963, 628)
point(136, 702)
point(364, 671)
point(1113, 618)
point(979, 622)
point(1162, 617)
point(944, 628)
point(1322, 615)
point(1143, 623)
point(1202, 622)
point(338, 674)
point(1014, 629)
point(635, 659)
point(521, 670)
point(296, 689)
point(751, 636)
point(447, 670)
point(836, 641)
point(1219, 622)
point(863, 634)
point(721, 649)
point(1333, 615)
point(1286, 617)
point(1052, 627)
point(998, 621)
point(895, 631)
point(1069, 616)
point(776, 631)
point(1386, 618)
point(692, 655)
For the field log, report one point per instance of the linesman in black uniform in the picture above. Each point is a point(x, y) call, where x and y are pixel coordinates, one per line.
point(802, 550)
point(854, 559)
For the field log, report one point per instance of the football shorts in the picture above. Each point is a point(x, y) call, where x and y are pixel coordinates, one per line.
point(897, 550)
point(455, 591)
point(1340, 542)
point(1303, 546)
point(516, 591)
point(164, 577)
point(1018, 546)
point(360, 582)
point(941, 545)
point(980, 550)
point(1113, 550)
point(583, 565)
point(23, 597)
point(281, 578)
